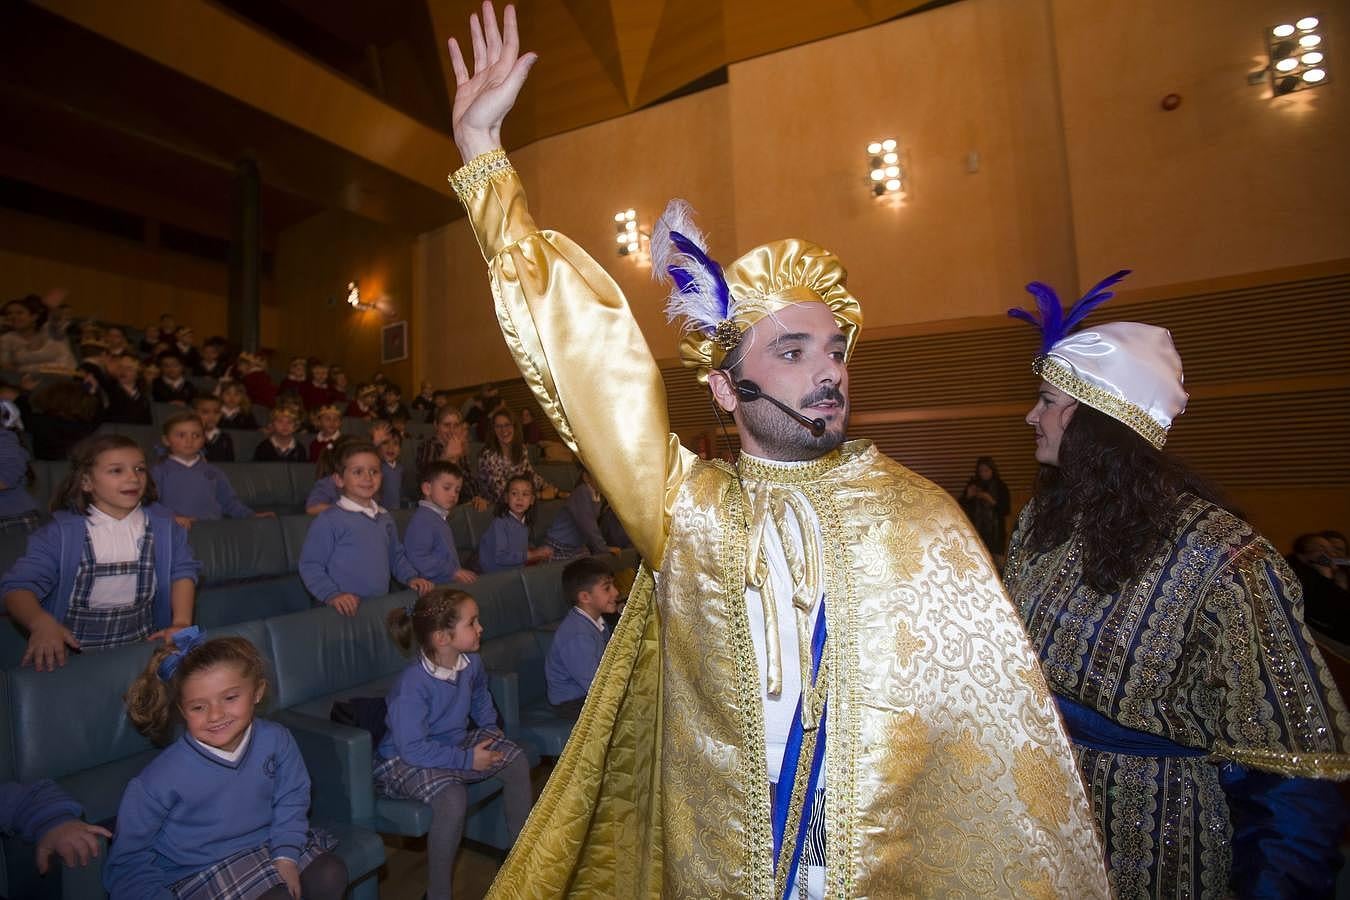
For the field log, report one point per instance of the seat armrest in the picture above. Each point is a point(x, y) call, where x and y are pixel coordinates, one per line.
point(339, 761)
point(505, 688)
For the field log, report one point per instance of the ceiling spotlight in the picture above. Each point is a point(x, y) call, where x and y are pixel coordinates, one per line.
point(1313, 58)
point(1307, 23)
point(888, 145)
point(1312, 76)
point(874, 148)
point(1288, 64)
point(627, 235)
point(1282, 30)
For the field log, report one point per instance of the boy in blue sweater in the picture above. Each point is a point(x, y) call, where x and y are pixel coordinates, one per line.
point(223, 811)
point(428, 540)
point(391, 470)
point(352, 547)
point(189, 485)
point(582, 635)
point(43, 814)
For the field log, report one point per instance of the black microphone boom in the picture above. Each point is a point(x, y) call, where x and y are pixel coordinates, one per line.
point(747, 391)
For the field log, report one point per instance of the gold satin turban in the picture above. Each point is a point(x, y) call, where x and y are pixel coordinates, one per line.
point(769, 278)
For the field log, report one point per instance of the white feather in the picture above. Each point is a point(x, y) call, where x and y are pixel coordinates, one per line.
point(699, 304)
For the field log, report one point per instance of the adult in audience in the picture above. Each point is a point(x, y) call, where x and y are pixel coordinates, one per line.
point(111, 568)
point(1326, 604)
point(172, 385)
point(27, 346)
point(985, 500)
point(503, 457)
point(1340, 557)
point(18, 512)
point(699, 741)
point(1200, 709)
point(450, 443)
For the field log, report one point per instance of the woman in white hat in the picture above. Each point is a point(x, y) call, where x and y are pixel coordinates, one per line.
point(1170, 633)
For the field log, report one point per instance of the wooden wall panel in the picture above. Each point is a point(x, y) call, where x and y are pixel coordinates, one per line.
point(1266, 367)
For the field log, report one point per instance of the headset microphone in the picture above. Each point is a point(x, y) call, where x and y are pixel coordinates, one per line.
point(747, 391)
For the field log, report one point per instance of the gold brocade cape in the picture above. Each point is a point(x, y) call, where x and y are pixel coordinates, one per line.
point(948, 772)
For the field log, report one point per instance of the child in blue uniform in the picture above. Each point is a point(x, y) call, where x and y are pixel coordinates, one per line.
point(576, 530)
point(41, 813)
point(352, 547)
point(18, 512)
point(506, 544)
point(391, 470)
point(430, 751)
point(223, 811)
point(189, 485)
point(429, 541)
point(111, 568)
point(582, 635)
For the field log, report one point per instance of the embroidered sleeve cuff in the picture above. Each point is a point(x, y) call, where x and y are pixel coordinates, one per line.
point(471, 177)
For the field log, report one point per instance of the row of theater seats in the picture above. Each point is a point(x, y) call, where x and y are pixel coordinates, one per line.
point(266, 487)
point(69, 725)
point(250, 566)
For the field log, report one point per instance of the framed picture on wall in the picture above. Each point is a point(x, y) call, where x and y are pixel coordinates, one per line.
point(394, 342)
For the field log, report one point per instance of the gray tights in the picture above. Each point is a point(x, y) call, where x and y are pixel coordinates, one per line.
point(448, 809)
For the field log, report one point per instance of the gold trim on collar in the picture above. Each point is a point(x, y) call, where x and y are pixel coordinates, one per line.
point(790, 473)
point(1132, 416)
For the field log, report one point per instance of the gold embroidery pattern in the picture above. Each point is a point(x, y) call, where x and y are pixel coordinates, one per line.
point(1118, 408)
point(1040, 785)
point(469, 178)
point(906, 644)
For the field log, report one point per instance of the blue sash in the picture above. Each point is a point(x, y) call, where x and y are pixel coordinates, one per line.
point(782, 790)
point(1089, 728)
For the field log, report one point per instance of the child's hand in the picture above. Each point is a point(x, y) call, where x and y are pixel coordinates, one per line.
point(465, 576)
point(480, 504)
point(290, 873)
point(346, 604)
point(166, 634)
point(264, 515)
point(47, 644)
point(184, 521)
point(75, 842)
point(422, 586)
point(484, 757)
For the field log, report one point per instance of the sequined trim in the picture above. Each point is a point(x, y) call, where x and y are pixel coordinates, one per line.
point(1333, 766)
point(1121, 410)
point(483, 168)
point(798, 473)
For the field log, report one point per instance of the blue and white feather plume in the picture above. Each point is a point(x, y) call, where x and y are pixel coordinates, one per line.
point(1054, 324)
point(699, 293)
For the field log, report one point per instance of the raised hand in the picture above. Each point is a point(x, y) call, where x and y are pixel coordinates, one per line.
point(483, 99)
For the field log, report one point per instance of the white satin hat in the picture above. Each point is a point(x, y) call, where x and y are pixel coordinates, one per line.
point(1127, 370)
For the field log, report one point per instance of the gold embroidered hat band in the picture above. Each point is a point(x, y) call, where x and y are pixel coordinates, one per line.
point(718, 306)
point(1128, 370)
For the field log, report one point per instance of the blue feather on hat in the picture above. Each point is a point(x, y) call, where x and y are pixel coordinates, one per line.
point(1053, 324)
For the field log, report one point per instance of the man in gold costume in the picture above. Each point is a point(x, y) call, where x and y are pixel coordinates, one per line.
point(818, 687)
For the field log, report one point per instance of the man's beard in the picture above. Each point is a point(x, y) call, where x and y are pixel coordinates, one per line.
point(782, 438)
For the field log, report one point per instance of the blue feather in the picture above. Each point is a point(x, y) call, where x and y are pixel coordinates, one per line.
point(1093, 299)
point(691, 249)
point(1052, 313)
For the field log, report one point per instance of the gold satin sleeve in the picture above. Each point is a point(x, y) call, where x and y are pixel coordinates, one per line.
point(575, 340)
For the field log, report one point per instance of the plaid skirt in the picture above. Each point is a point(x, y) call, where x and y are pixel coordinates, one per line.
point(400, 781)
point(248, 873)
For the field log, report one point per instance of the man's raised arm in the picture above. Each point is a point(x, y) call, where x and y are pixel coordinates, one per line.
point(564, 319)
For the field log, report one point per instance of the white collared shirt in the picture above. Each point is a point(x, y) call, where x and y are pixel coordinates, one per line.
point(347, 503)
point(598, 623)
point(176, 384)
point(212, 435)
point(114, 541)
point(186, 463)
point(229, 756)
point(436, 508)
point(779, 710)
point(283, 448)
point(441, 673)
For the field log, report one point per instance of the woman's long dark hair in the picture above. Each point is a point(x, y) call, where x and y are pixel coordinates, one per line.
point(1116, 492)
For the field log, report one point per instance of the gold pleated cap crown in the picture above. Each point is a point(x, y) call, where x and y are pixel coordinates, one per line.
point(718, 306)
